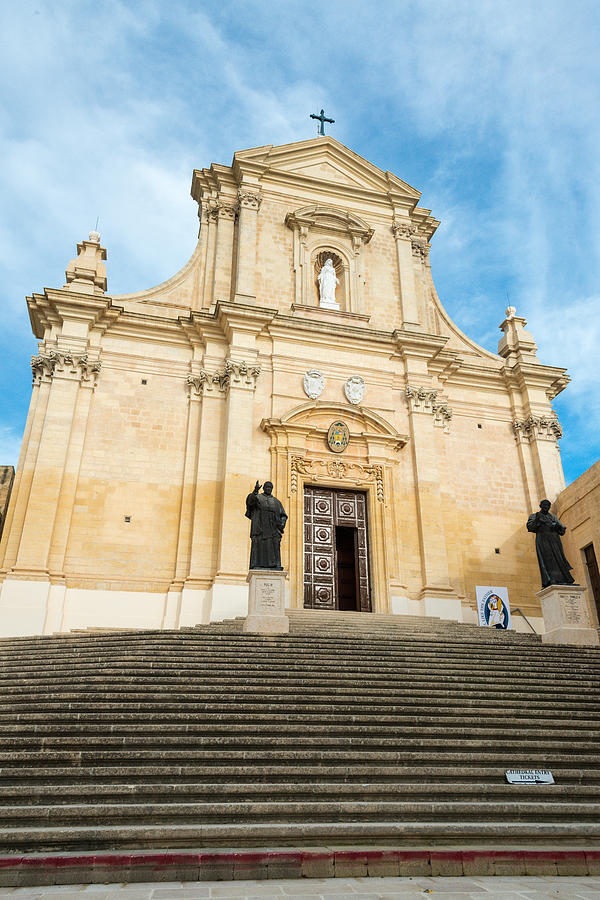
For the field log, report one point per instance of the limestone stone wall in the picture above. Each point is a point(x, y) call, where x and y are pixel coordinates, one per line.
point(578, 507)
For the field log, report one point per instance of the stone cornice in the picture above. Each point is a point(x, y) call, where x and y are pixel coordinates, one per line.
point(54, 307)
point(418, 343)
point(551, 379)
point(233, 317)
point(330, 219)
point(364, 424)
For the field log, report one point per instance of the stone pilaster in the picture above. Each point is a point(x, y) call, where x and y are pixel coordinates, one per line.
point(58, 457)
point(197, 553)
point(239, 467)
point(536, 428)
point(249, 204)
point(225, 211)
point(437, 595)
point(403, 235)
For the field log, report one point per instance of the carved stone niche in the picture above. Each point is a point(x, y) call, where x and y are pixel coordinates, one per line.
point(341, 270)
point(342, 236)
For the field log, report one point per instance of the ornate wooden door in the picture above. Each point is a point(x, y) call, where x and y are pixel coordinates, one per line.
point(324, 509)
point(319, 549)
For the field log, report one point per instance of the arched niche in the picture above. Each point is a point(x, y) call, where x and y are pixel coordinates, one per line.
point(321, 228)
point(300, 456)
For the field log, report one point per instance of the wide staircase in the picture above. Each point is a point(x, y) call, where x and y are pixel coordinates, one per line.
point(354, 729)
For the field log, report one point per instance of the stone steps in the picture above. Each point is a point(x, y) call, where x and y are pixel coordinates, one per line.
point(167, 792)
point(81, 680)
point(209, 737)
point(53, 735)
point(286, 834)
point(24, 748)
point(282, 811)
point(299, 773)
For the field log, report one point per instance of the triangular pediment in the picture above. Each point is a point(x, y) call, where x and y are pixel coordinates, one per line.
point(324, 160)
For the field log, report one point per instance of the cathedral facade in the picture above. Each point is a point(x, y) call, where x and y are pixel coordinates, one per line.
point(303, 343)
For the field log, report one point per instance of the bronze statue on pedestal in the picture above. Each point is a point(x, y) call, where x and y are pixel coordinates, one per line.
point(268, 519)
point(554, 566)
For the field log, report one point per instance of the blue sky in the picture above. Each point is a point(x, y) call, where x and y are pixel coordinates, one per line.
point(490, 109)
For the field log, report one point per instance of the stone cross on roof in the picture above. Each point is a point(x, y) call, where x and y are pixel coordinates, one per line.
point(322, 118)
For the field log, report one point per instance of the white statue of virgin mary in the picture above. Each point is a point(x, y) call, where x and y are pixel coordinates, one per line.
point(328, 282)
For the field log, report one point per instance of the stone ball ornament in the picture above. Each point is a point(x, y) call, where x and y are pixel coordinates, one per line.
point(354, 389)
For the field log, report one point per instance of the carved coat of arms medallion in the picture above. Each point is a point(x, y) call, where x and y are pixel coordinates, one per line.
point(338, 437)
point(313, 383)
point(354, 389)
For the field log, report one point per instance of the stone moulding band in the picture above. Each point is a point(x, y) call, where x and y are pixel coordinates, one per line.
point(92, 867)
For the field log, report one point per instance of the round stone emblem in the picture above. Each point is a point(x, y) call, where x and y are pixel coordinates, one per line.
point(338, 437)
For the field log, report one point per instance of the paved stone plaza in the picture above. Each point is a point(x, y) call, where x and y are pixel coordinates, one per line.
point(480, 888)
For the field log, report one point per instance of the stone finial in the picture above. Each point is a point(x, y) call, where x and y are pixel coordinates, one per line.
point(516, 344)
point(87, 273)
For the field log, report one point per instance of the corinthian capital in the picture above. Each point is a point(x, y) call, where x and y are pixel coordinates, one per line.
point(537, 428)
point(68, 365)
point(249, 199)
point(420, 248)
point(420, 399)
point(402, 229)
point(241, 374)
point(227, 210)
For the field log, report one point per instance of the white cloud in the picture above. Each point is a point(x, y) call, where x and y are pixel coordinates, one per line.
point(493, 106)
point(10, 445)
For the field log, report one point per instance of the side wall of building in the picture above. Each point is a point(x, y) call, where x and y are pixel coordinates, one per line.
point(578, 507)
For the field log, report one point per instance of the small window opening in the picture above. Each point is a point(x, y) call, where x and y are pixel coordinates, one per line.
point(127, 518)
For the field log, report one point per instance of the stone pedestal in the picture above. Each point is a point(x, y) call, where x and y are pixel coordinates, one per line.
point(266, 602)
point(567, 615)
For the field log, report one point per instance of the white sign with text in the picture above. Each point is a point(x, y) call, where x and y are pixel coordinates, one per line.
point(529, 776)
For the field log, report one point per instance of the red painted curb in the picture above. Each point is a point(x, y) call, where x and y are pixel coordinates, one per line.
point(584, 861)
